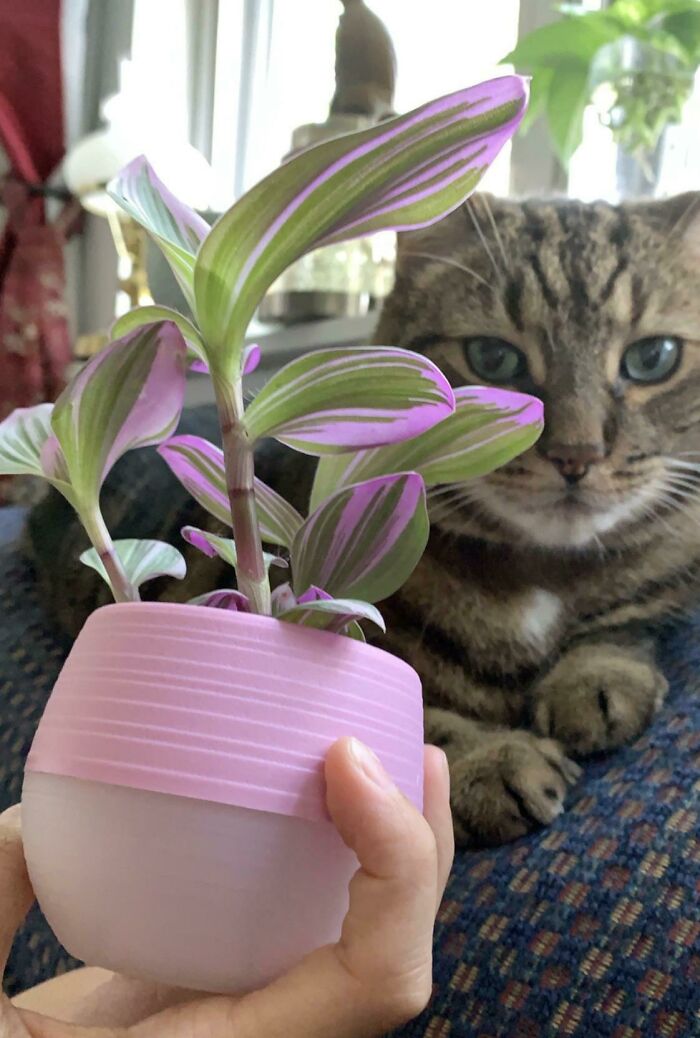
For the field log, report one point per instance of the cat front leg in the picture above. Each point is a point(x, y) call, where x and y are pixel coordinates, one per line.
point(598, 696)
point(505, 782)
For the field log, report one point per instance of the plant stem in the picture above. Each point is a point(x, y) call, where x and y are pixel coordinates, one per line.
point(98, 533)
point(240, 475)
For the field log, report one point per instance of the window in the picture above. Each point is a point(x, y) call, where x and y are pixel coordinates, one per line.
point(283, 76)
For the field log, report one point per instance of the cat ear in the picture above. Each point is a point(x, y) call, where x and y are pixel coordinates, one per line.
point(679, 218)
point(687, 223)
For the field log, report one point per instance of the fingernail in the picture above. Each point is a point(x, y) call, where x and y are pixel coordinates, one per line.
point(369, 763)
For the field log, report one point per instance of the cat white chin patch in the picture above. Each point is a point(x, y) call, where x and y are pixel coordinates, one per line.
point(561, 527)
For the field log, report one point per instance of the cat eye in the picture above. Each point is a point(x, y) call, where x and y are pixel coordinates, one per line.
point(494, 359)
point(651, 360)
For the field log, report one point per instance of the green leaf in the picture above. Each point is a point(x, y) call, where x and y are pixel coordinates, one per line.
point(405, 172)
point(363, 541)
point(141, 560)
point(571, 39)
point(539, 94)
point(345, 399)
point(22, 437)
point(489, 427)
point(569, 93)
point(145, 315)
point(338, 615)
point(176, 228)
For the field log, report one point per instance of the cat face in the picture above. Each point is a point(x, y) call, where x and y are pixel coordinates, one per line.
point(596, 310)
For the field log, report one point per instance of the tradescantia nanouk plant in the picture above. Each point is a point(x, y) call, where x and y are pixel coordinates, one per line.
point(383, 421)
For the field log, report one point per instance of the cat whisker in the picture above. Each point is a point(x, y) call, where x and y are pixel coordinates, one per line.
point(469, 208)
point(449, 263)
point(496, 233)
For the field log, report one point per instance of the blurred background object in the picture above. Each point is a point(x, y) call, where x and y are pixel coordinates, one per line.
point(217, 92)
point(350, 279)
point(634, 62)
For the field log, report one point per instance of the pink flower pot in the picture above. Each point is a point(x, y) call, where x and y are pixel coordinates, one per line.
point(173, 809)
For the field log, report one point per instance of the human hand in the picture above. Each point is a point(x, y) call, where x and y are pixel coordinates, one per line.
point(376, 977)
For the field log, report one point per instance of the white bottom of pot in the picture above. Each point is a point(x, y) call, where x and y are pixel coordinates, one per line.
point(181, 891)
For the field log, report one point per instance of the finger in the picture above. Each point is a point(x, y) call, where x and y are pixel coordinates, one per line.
point(379, 975)
point(15, 889)
point(393, 896)
point(436, 809)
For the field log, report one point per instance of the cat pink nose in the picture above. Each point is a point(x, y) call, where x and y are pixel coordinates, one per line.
point(574, 461)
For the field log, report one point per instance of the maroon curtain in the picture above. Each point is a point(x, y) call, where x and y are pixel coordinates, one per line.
point(34, 338)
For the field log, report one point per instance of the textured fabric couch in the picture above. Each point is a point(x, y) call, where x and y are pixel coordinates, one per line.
point(588, 928)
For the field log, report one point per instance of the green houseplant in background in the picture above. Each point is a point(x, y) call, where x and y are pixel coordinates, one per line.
point(636, 59)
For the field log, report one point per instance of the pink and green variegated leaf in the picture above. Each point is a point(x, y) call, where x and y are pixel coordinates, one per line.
point(177, 229)
point(141, 561)
point(199, 466)
point(404, 173)
point(211, 545)
point(489, 427)
point(365, 540)
point(344, 399)
point(22, 437)
point(337, 615)
point(144, 315)
point(225, 598)
point(129, 395)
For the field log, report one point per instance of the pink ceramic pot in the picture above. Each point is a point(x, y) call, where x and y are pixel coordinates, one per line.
point(173, 808)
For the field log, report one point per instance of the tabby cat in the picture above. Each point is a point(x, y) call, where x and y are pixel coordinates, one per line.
point(531, 618)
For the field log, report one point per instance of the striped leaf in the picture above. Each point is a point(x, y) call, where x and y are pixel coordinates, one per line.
point(404, 173)
point(225, 598)
point(22, 437)
point(144, 315)
point(365, 540)
point(199, 466)
point(344, 399)
point(337, 615)
point(176, 228)
point(129, 395)
point(489, 427)
point(141, 561)
point(211, 545)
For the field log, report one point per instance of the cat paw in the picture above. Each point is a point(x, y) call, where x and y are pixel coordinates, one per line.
point(596, 700)
point(512, 783)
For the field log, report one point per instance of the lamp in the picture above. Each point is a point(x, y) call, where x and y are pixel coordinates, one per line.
point(132, 128)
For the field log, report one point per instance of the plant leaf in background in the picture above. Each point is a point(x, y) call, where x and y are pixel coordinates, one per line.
point(141, 561)
point(363, 541)
point(199, 465)
point(177, 229)
point(132, 392)
point(225, 598)
point(144, 315)
point(489, 427)
point(568, 95)
point(22, 437)
point(334, 614)
point(404, 173)
point(345, 399)
point(212, 545)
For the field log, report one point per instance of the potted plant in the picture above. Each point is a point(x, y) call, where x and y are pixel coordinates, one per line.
point(173, 808)
point(635, 60)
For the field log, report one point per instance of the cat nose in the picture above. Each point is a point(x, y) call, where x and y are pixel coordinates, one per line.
point(574, 461)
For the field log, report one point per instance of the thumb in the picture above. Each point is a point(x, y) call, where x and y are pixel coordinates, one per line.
point(387, 933)
point(16, 893)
